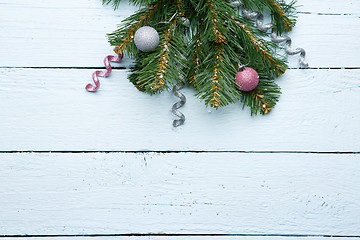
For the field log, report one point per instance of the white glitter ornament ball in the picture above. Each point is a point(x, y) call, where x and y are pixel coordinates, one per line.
point(146, 39)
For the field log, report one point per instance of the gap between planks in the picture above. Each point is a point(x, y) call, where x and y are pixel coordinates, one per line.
point(185, 151)
point(180, 235)
point(328, 14)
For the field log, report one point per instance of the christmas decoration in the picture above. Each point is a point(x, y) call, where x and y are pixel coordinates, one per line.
point(146, 39)
point(178, 105)
point(185, 21)
point(201, 43)
point(247, 79)
point(95, 75)
point(259, 22)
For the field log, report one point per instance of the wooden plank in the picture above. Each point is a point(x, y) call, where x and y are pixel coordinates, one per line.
point(325, 46)
point(329, 6)
point(57, 33)
point(72, 34)
point(308, 6)
point(49, 110)
point(180, 193)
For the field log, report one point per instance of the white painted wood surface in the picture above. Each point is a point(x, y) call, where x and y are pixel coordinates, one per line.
point(72, 33)
point(48, 110)
point(44, 48)
point(180, 193)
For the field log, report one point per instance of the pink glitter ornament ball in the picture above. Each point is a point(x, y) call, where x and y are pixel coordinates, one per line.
point(247, 79)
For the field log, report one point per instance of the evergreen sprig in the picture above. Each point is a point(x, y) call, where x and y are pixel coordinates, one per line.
point(115, 3)
point(282, 13)
point(207, 53)
point(123, 37)
point(162, 68)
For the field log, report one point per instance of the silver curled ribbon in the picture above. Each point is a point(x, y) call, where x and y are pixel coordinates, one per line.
point(288, 49)
point(178, 122)
point(274, 37)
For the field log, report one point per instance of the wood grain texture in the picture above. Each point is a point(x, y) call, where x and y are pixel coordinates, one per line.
point(49, 110)
point(328, 6)
point(72, 33)
point(180, 193)
point(122, 193)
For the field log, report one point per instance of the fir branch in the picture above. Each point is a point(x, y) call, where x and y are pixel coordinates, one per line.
point(282, 15)
point(258, 97)
point(215, 59)
point(196, 56)
point(180, 8)
point(115, 3)
point(152, 71)
point(219, 42)
point(216, 80)
point(159, 69)
point(216, 24)
point(134, 76)
point(252, 41)
point(163, 61)
point(263, 98)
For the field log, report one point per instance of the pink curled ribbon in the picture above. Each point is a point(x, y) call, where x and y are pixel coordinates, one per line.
point(107, 60)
